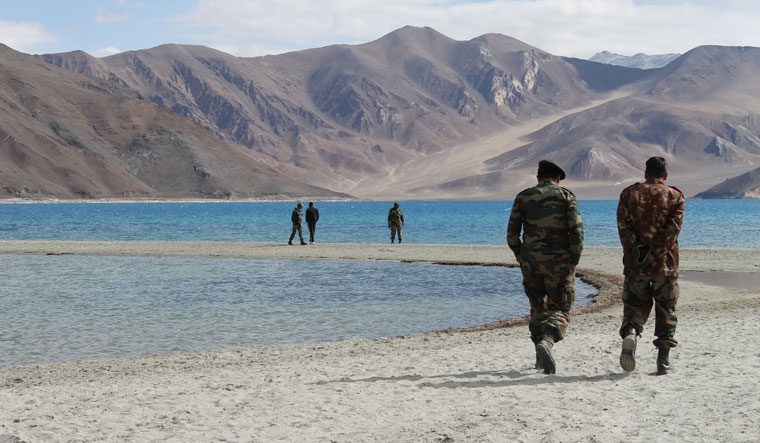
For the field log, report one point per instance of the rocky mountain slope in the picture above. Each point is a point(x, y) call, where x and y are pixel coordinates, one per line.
point(746, 185)
point(416, 114)
point(65, 135)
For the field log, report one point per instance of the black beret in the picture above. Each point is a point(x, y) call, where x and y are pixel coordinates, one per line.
point(547, 168)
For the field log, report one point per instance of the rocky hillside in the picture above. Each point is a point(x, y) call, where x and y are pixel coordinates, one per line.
point(65, 135)
point(746, 185)
point(416, 114)
point(336, 115)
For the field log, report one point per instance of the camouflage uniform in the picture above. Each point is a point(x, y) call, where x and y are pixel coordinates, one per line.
point(296, 217)
point(395, 222)
point(551, 247)
point(649, 218)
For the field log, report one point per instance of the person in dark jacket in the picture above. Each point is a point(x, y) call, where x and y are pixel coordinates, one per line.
point(296, 218)
point(312, 216)
point(395, 221)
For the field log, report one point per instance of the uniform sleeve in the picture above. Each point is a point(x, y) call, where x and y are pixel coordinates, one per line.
point(389, 217)
point(625, 226)
point(316, 215)
point(513, 229)
point(574, 230)
point(668, 235)
point(401, 214)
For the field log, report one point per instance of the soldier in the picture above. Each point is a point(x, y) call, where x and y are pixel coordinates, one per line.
point(552, 242)
point(649, 218)
point(312, 216)
point(295, 217)
point(395, 221)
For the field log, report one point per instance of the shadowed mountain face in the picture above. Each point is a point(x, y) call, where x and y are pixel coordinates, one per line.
point(416, 114)
point(65, 135)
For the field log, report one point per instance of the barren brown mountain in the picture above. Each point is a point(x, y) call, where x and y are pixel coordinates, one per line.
point(746, 185)
point(416, 114)
point(65, 135)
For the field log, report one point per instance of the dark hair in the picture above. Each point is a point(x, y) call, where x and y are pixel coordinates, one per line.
point(657, 167)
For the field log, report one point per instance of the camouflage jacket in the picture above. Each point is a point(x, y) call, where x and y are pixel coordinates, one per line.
point(550, 221)
point(395, 217)
point(651, 213)
point(295, 217)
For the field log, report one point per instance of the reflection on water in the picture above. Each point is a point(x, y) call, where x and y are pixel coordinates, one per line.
point(56, 308)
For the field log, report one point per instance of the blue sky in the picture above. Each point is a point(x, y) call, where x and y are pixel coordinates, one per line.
point(577, 28)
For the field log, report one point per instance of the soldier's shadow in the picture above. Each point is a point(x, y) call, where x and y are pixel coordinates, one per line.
point(475, 379)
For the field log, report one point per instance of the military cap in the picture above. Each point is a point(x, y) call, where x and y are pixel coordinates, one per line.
point(550, 169)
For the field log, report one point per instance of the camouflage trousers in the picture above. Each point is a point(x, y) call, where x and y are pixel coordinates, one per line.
point(297, 228)
point(640, 293)
point(550, 288)
point(395, 227)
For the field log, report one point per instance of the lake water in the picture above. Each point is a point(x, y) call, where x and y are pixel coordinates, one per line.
point(708, 223)
point(55, 308)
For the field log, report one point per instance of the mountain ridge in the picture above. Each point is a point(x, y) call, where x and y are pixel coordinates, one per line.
point(64, 135)
point(416, 114)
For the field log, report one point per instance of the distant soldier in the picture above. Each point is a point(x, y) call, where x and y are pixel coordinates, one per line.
point(649, 218)
point(552, 242)
point(312, 216)
point(395, 221)
point(295, 217)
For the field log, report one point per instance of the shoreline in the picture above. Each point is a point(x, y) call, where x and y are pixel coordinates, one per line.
point(436, 386)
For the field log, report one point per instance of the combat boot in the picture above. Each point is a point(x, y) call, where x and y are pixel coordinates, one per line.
point(544, 358)
point(663, 364)
point(628, 354)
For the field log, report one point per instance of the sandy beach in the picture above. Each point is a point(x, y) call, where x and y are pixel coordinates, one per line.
point(437, 387)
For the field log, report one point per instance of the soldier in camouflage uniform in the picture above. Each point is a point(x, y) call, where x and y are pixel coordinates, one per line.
point(552, 242)
point(649, 218)
point(395, 221)
point(296, 218)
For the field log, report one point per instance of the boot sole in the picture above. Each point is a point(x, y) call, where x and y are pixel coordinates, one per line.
point(545, 358)
point(628, 355)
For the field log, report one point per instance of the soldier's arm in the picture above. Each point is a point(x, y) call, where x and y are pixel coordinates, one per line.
point(401, 214)
point(625, 227)
point(513, 230)
point(672, 227)
point(574, 230)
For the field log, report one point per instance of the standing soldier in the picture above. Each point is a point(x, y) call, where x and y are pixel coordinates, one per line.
point(295, 217)
point(649, 218)
point(552, 242)
point(312, 216)
point(395, 221)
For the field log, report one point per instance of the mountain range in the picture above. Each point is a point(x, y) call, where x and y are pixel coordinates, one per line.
point(412, 115)
point(640, 60)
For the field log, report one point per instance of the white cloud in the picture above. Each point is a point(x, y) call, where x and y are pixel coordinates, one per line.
point(24, 36)
point(103, 17)
point(563, 27)
point(105, 52)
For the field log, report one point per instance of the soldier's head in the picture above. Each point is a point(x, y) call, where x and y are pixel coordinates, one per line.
point(549, 170)
point(395, 205)
point(657, 167)
point(300, 205)
point(311, 204)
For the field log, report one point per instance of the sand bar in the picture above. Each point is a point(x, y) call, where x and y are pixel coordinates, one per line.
point(472, 386)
